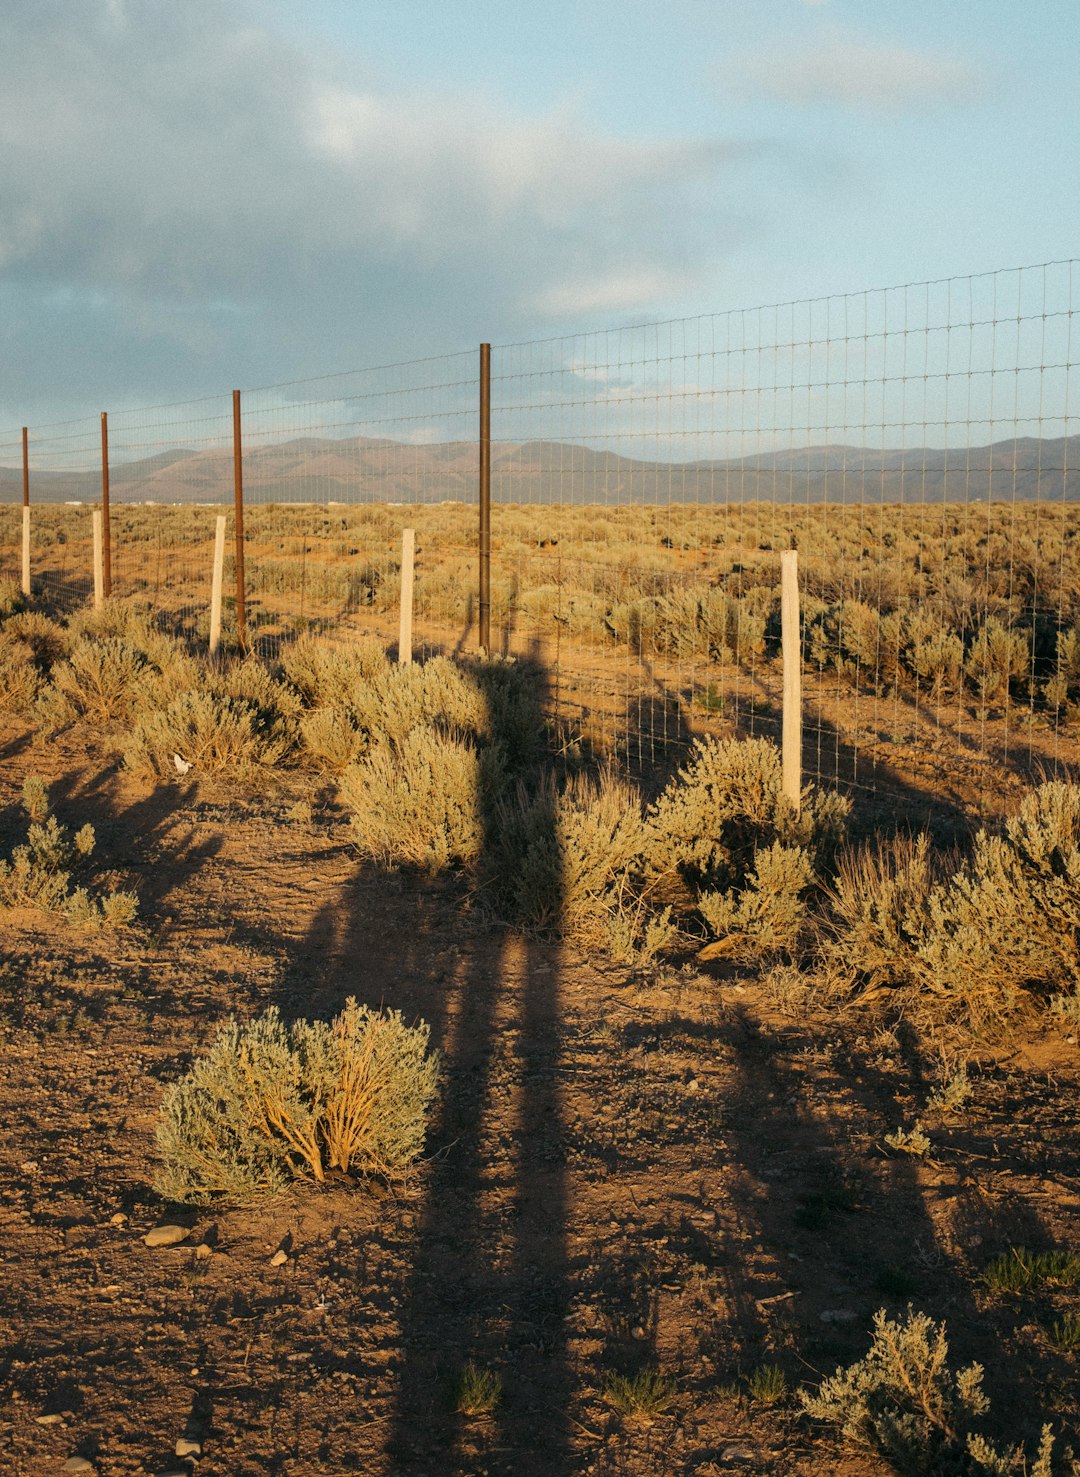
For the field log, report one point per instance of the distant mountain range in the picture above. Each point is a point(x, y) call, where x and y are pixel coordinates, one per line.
point(363, 469)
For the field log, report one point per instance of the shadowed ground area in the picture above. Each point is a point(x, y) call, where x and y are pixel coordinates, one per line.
point(680, 1171)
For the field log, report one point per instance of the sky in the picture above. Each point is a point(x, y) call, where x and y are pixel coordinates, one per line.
point(217, 193)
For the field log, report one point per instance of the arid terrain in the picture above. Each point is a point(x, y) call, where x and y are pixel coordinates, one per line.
point(680, 1170)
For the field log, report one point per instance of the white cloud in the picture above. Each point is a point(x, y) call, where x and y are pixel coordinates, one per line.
point(614, 293)
point(847, 72)
point(173, 161)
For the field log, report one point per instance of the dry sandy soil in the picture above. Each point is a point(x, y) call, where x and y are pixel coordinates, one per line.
point(683, 1172)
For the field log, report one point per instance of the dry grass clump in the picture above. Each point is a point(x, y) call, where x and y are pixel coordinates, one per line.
point(39, 873)
point(905, 1402)
point(271, 1102)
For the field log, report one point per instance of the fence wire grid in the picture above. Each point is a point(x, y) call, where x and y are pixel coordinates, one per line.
point(915, 445)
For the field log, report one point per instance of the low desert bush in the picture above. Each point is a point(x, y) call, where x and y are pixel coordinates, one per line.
point(424, 801)
point(271, 1102)
point(879, 902)
point(210, 732)
point(726, 805)
point(39, 872)
point(103, 679)
point(905, 1402)
point(329, 676)
point(978, 937)
point(562, 855)
point(332, 738)
point(769, 912)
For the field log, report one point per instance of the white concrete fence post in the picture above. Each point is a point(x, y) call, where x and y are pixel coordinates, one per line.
point(216, 582)
point(99, 559)
point(408, 552)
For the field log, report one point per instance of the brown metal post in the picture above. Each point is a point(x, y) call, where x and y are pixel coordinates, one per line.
point(106, 529)
point(25, 468)
point(238, 502)
point(485, 498)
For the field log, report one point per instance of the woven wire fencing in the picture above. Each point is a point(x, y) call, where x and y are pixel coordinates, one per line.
point(914, 444)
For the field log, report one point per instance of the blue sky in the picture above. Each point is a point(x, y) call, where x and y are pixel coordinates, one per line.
point(207, 194)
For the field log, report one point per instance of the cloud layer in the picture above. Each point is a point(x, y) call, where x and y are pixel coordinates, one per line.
point(839, 69)
point(177, 179)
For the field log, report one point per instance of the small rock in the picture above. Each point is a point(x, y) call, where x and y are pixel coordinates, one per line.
point(736, 1454)
point(77, 1464)
point(279, 1258)
point(638, 1332)
point(50, 1420)
point(118, 1219)
point(188, 1446)
point(202, 1251)
point(838, 1315)
point(166, 1235)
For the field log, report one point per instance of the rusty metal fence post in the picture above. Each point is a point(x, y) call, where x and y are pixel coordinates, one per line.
point(485, 498)
point(238, 503)
point(106, 526)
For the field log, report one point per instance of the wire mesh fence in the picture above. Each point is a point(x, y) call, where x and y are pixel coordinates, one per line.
point(914, 444)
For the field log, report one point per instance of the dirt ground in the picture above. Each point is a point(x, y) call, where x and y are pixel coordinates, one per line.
point(682, 1172)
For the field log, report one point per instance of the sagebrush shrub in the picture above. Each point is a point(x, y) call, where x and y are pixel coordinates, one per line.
point(880, 901)
point(331, 736)
point(728, 803)
point(562, 856)
point(271, 1101)
point(104, 679)
point(905, 1401)
point(329, 676)
point(423, 801)
point(211, 732)
point(38, 873)
point(769, 912)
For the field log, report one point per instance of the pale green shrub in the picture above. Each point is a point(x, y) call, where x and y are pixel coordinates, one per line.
point(209, 731)
point(38, 873)
point(11, 597)
point(725, 805)
point(561, 856)
point(270, 1102)
point(405, 698)
point(769, 912)
point(102, 679)
point(998, 655)
point(47, 641)
point(905, 1402)
point(880, 900)
point(1010, 919)
point(1064, 685)
point(902, 1399)
point(332, 738)
point(329, 676)
point(422, 801)
point(977, 938)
